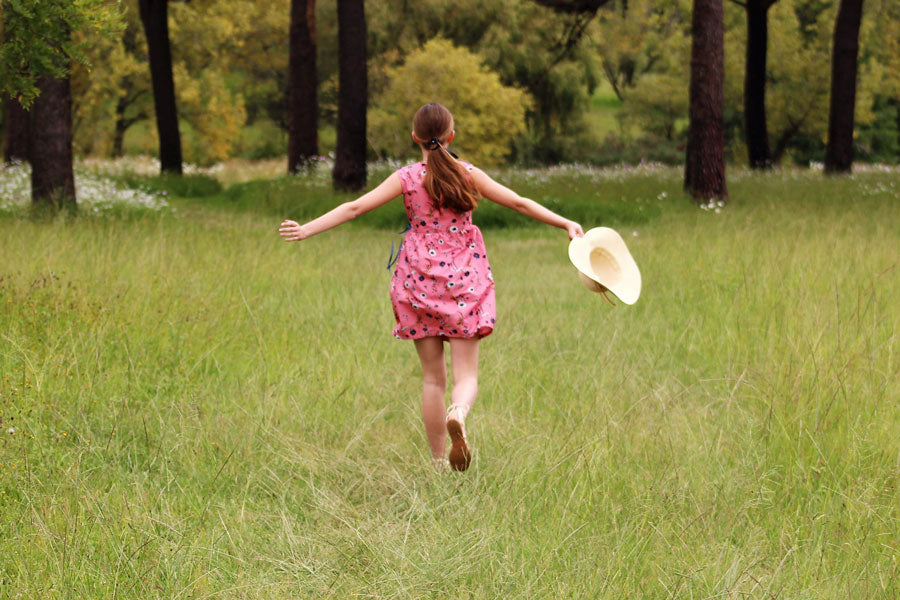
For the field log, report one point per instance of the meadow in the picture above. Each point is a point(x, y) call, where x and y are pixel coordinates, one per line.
point(192, 408)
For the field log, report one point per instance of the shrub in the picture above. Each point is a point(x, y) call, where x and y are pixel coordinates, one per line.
point(488, 115)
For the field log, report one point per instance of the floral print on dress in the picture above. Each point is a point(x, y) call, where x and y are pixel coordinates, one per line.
point(442, 284)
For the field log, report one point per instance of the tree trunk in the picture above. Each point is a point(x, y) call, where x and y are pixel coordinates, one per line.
point(350, 160)
point(839, 150)
point(154, 16)
point(303, 104)
point(897, 106)
point(704, 173)
point(16, 132)
point(755, 125)
point(121, 127)
point(50, 146)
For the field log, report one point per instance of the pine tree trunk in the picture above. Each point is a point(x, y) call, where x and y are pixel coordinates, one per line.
point(704, 174)
point(350, 161)
point(121, 127)
point(16, 148)
point(50, 146)
point(755, 125)
point(897, 105)
point(154, 16)
point(839, 149)
point(303, 105)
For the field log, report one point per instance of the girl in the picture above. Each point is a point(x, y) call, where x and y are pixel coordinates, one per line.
point(442, 288)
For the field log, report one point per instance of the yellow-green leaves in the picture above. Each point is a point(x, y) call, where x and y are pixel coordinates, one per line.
point(488, 114)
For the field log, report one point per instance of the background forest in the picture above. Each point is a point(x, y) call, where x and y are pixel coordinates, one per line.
point(528, 84)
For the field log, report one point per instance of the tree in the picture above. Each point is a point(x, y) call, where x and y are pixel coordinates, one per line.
point(36, 53)
point(839, 150)
point(349, 171)
point(548, 53)
point(50, 145)
point(755, 127)
point(154, 16)
point(884, 43)
point(210, 40)
point(704, 175)
point(16, 148)
point(638, 37)
point(303, 104)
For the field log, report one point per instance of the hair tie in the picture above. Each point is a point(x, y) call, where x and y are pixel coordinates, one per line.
point(433, 144)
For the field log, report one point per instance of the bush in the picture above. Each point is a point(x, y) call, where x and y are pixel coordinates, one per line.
point(488, 115)
point(615, 150)
point(580, 193)
point(262, 139)
point(182, 186)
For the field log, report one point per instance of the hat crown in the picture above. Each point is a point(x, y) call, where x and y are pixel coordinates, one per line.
point(605, 265)
point(601, 257)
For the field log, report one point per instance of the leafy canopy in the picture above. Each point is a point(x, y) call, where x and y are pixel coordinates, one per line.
point(36, 39)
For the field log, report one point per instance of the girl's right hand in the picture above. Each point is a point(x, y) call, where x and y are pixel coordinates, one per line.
point(291, 231)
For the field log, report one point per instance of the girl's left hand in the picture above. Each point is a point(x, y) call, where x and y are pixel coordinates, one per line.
point(291, 231)
point(574, 230)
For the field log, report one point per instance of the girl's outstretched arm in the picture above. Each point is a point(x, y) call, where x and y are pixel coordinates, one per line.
point(389, 189)
point(504, 196)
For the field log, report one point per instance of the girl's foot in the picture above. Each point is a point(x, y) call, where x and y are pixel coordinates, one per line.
point(441, 465)
point(460, 456)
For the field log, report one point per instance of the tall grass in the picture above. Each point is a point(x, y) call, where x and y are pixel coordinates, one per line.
point(193, 409)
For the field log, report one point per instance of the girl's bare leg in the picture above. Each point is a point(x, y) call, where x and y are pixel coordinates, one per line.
point(464, 361)
point(434, 385)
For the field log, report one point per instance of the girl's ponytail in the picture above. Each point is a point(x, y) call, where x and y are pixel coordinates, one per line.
point(446, 181)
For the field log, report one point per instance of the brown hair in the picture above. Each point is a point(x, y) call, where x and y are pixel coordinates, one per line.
point(446, 181)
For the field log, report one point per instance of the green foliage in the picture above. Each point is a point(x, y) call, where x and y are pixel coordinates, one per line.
point(656, 103)
point(206, 36)
point(529, 46)
point(41, 37)
point(879, 140)
point(183, 186)
point(487, 114)
point(573, 191)
point(637, 37)
point(231, 64)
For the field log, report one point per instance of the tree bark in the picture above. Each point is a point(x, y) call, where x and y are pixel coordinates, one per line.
point(50, 146)
point(154, 16)
point(303, 104)
point(16, 148)
point(350, 158)
point(704, 174)
point(839, 149)
point(897, 106)
point(756, 128)
point(121, 128)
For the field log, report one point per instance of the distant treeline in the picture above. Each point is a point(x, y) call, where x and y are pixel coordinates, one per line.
point(230, 62)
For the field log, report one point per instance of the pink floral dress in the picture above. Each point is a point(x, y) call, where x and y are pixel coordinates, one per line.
point(442, 284)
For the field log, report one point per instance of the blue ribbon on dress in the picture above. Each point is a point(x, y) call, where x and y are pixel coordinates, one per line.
point(392, 259)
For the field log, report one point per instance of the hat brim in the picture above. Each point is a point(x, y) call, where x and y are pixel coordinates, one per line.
point(602, 256)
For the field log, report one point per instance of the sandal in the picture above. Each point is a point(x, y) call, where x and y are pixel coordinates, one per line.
point(460, 456)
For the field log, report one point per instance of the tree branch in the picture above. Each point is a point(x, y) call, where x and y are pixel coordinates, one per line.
point(574, 6)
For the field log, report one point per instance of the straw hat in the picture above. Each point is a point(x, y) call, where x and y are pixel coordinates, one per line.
point(604, 264)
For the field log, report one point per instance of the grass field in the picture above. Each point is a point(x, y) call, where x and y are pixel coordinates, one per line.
point(193, 409)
